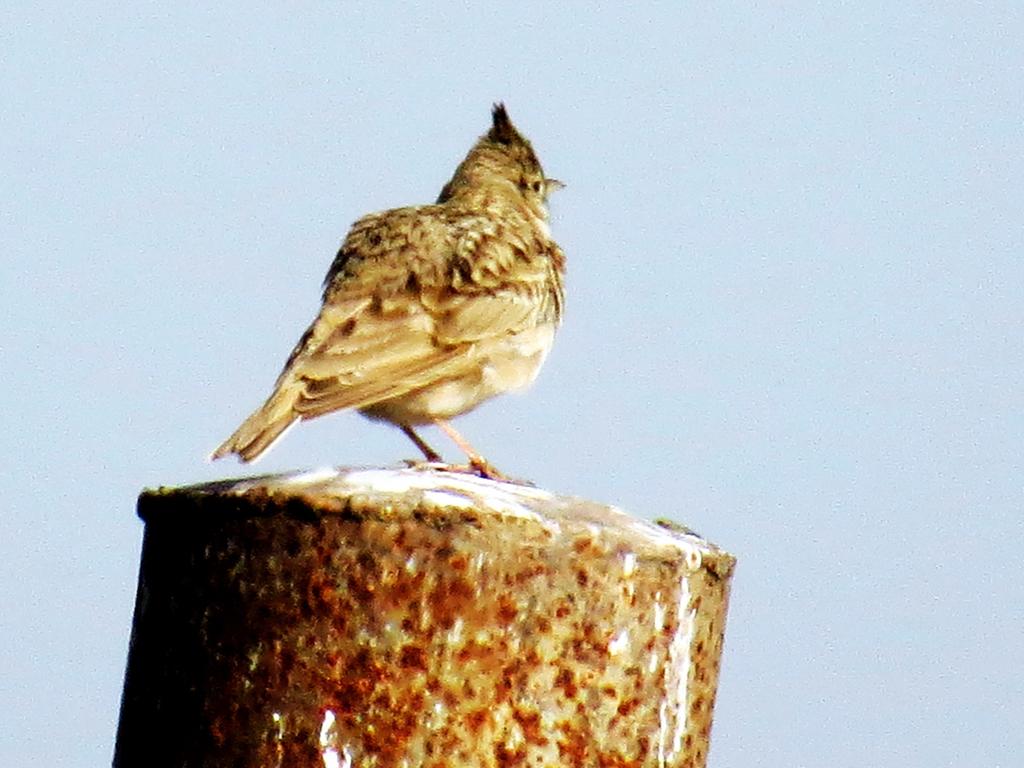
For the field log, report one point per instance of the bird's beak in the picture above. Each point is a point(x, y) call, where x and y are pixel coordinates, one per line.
point(552, 185)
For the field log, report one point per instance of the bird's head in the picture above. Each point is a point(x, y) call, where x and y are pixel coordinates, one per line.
point(502, 162)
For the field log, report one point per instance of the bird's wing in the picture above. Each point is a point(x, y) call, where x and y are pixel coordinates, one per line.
point(361, 353)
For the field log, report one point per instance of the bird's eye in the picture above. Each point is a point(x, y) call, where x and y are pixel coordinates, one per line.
point(536, 185)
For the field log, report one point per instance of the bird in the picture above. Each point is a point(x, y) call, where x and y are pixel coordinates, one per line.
point(430, 310)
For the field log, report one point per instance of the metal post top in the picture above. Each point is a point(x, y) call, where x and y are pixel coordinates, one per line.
point(432, 494)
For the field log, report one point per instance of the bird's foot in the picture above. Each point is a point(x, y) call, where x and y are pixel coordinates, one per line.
point(485, 469)
point(478, 467)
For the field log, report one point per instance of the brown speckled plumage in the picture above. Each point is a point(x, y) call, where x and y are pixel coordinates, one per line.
point(430, 310)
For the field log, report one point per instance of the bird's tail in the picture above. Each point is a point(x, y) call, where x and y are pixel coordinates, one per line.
point(262, 429)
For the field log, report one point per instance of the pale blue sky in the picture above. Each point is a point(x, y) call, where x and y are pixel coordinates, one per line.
point(794, 320)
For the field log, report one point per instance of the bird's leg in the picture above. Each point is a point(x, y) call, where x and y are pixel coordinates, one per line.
point(428, 452)
point(476, 461)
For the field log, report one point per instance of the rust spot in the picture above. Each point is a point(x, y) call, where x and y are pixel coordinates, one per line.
point(507, 610)
point(458, 562)
point(626, 707)
point(471, 650)
point(615, 760)
point(582, 544)
point(526, 574)
point(412, 657)
point(572, 747)
point(477, 719)
point(504, 756)
point(529, 721)
point(565, 680)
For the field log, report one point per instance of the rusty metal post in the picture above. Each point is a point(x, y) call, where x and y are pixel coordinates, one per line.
point(414, 617)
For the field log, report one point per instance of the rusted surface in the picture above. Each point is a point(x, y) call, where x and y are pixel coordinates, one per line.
point(416, 618)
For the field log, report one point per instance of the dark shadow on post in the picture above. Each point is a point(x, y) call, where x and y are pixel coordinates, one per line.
point(416, 617)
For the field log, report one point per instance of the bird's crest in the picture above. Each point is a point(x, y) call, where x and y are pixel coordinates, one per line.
point(502, 131)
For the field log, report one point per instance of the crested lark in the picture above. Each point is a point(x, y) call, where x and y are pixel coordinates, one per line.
point(430, 310)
